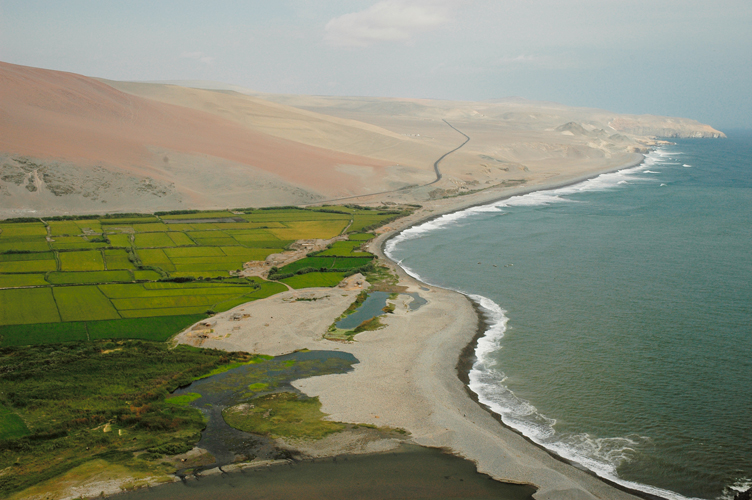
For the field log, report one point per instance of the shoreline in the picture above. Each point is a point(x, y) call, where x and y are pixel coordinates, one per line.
point(467, 357)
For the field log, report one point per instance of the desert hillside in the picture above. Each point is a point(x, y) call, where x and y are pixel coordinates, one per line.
point(70, 143)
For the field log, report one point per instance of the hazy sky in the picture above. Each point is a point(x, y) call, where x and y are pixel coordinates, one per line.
point(672, 57)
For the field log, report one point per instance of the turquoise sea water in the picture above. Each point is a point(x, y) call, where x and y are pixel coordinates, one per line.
point(620, 313)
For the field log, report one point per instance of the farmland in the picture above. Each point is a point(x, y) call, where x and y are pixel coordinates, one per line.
point(148, 276)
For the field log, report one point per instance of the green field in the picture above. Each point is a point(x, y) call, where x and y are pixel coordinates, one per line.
point(361, 236)
point(27, 306)
point(120, 240)
point(90, 260)
point(83, 303)
point(310, 280)
point(11, 425)
point(18, 280)
point(74, 278)
point(344, 249)
point(27, 266)
point(117, 259)
point(153, 240)
point(98, 276)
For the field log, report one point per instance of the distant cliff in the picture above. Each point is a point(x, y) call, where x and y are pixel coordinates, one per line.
point(661, 126)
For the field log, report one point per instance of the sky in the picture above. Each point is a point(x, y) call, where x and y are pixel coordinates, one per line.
point(683, 58)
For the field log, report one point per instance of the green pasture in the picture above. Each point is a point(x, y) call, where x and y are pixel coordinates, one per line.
point(78, 242)
point(83, 303)
point(146, 275)
point(13, 229)
point(303, 230)
point(11, 425)
point(310, 280)
point(23, 244)
point(120, 240)
point(344, 249)
point(64, 228)
point(90, 225)
point(117, 259)
point(361, 236)
point(153, 240)
point(27, 266)
point(10, 257)
point(27, 305)
point(351, 262)
point(312, 262)
point(41, 333)
point(156, 258)
point(90, 260)
point(79, 277)
point(181, 239)
point(194, 252)
point(18, 280)
point(156, 329)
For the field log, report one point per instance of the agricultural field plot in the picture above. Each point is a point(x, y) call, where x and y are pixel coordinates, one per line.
point(23, 244)
point(304, 230)
point(75, 278)
point(156, 258)
point(147, 275)
point(115, 277)
point(27, 262)
point(181, 239)
point(194, 252)
point(344, 249)
point(19, 280)
point(152, 240)
point(366, 220)
point(346, 263)
point(27, 306)
point(114, 221)
point(117, 259)
point(324, 263)
point(310, 280)
point(77, 242)
point(120, 240)
point(64, 228)
point(90, 260)
point(83, 303)
point(16, 229)
point(360, 236)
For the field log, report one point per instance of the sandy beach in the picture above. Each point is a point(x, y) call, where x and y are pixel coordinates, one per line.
point(407, 376)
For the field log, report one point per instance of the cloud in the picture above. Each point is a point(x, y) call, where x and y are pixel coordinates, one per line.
point(198, 56)
point(387, 21)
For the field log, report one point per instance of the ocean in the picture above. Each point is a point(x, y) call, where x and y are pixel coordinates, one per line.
point(619, 313)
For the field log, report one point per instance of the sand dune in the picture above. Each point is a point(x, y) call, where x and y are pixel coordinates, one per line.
point(69, 143)
point(80, 123)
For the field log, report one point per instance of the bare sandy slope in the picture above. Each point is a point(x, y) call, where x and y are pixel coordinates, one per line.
point(57, 128)
point(70, 143)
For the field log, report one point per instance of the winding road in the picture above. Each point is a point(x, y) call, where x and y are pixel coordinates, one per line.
point(435, 168)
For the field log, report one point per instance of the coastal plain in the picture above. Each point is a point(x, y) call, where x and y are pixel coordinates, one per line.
point(70, 144)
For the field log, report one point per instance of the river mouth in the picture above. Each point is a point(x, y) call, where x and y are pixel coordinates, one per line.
point(242, 385)
point(406, 473)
